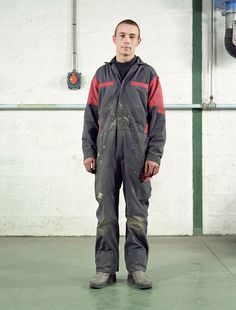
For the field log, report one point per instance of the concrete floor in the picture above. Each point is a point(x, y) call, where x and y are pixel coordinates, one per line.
point(53, 273)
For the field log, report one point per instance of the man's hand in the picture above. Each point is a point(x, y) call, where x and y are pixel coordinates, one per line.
point(90, 164)
point(151, 168)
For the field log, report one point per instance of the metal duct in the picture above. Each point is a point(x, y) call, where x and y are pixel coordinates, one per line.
point(229, 11)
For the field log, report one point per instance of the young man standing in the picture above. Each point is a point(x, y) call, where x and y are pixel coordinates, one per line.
point(123, 141)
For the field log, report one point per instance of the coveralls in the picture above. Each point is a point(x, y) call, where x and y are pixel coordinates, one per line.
point(124, 125)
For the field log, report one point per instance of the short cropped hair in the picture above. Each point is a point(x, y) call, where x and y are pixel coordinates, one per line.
point(129, 22)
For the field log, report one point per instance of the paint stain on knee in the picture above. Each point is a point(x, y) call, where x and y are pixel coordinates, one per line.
point(136, 223)
point(100, 195)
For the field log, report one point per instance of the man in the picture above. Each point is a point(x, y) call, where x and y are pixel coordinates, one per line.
point(123, 141)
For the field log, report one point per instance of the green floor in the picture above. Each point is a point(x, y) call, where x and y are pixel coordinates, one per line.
point(53, 273)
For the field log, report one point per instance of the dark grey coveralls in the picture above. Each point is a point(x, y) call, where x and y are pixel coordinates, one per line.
point(124, 125)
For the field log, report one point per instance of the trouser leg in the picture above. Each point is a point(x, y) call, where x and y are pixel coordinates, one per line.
point(136, 244)
point(107, 185)
point(107, 237)
point(136, 195)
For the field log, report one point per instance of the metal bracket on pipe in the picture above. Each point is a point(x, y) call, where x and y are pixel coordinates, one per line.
point(209, 105)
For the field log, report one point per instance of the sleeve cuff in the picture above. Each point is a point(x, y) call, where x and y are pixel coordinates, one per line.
point(89, 155)
point(155, 158)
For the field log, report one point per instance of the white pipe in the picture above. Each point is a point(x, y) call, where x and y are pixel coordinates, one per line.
point(181, 106)
point(212, 53)
point(81, 107)
point(225, 107)
point(74, 24)
point(32, 107)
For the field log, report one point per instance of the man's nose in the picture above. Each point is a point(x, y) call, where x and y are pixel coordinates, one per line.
point(127, 39)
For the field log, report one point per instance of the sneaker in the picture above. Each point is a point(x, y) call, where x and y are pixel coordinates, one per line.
point(139, 280)
point(102, 279)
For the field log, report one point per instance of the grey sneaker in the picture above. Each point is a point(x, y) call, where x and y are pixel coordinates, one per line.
point(139, 279)
point(102, 279)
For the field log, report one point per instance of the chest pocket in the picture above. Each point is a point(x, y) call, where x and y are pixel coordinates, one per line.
point(139, 84)
point(106, 84)
point(106, 92)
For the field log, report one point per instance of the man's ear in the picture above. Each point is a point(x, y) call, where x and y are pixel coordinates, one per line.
point(139, 41)
point(114, 39)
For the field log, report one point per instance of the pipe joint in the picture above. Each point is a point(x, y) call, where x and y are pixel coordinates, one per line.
point(209, 105)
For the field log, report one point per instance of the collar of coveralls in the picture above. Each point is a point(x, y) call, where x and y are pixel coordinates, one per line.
point(138, 61)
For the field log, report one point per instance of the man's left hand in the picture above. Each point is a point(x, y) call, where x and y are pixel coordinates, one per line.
point(151, 168)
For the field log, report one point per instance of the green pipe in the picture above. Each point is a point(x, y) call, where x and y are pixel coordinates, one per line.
point(197, 116)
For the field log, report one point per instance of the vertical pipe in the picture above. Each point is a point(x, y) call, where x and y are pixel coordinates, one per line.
point(197, 116)
point(212, 52)
point(74, 24)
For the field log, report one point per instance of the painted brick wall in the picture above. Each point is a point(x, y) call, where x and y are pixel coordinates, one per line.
point(219, 132)
point(44, 188)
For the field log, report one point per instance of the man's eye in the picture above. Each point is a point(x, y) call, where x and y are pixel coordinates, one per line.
point(132, 37)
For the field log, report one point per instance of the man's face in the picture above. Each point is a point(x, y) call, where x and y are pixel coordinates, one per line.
point(126, 40)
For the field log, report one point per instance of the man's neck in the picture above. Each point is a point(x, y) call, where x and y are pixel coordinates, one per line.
point(121, 58)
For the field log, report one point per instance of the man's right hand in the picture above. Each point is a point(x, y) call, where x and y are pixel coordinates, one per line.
point(90, 164)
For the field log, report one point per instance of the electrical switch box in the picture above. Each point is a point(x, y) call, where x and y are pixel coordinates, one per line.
point(74, 80)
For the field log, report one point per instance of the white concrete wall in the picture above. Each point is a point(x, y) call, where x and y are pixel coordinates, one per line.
point(219, 133)
point(44, 189)
point(219, 172)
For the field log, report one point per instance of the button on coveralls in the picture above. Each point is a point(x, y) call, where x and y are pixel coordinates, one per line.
point(124, 125)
